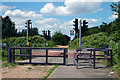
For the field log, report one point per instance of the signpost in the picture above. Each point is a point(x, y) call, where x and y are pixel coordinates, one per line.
point(71, 33)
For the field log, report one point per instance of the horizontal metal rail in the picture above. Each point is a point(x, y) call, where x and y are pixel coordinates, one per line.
point(92, 55)
point(11, 54)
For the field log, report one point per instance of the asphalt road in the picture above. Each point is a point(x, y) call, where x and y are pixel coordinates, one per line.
point(84, 71)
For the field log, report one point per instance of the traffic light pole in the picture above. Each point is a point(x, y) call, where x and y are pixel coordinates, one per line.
point(80, 34)
point(46, 43)
point(27, 32)
point(70, 41)
point(28, 29)
point(77, 40)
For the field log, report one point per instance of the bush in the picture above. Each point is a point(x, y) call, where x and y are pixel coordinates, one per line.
point(60, 39)
point(94, 40)
point(51, 44)
point(22, 40)
point(116, 36)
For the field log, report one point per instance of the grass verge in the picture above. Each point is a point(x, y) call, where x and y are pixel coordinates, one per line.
point(10, 65)
point(50, 72)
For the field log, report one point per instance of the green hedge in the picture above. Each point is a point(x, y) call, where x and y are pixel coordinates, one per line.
point(22, 40)
point(36, 41)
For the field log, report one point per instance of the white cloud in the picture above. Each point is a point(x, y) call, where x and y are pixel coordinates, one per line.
point(53, 24)
point(91, 22)
point(4, 7)
point(68, 25)
point(114, 16)
point(48, 24)
point(23, 14)
point(72, 7)
point(47, 20)
point(20, 17)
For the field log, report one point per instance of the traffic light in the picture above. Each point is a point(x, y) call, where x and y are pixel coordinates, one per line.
point(49, 32)
point(46, 34)
point(84, 23)
point(76, 25)
point(28, 24)
point(43, 32)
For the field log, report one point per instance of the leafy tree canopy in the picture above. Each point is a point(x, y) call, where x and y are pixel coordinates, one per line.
point(60, 39)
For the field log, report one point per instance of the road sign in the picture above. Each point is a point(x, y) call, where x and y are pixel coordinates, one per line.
point(71, 32)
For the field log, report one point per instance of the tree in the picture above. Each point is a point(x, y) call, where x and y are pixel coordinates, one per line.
point(116, 36)
point(93, 30)
point(106, 27)
point(60, 39)
point(116, 24)
point(116, 8)
point(22, 33)
point(8, 28)
point(84, 30)
point(33, 32)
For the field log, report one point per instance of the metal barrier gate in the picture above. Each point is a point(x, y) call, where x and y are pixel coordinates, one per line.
point(12, 55)
point(106, 56)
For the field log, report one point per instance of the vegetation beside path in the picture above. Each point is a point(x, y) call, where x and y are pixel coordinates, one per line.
point(96, 40)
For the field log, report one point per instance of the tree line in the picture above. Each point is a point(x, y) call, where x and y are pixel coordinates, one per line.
point(9, 30)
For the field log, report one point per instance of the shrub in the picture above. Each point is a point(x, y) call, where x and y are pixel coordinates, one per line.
point(51, 43)
point(60, 39)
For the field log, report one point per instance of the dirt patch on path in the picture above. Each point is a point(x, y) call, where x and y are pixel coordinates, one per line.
point(26, 71)
point(61, 46)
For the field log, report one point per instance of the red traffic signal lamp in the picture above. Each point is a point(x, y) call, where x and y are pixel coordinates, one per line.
point(76, 25)
point(45, 34)
point(84, 23)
